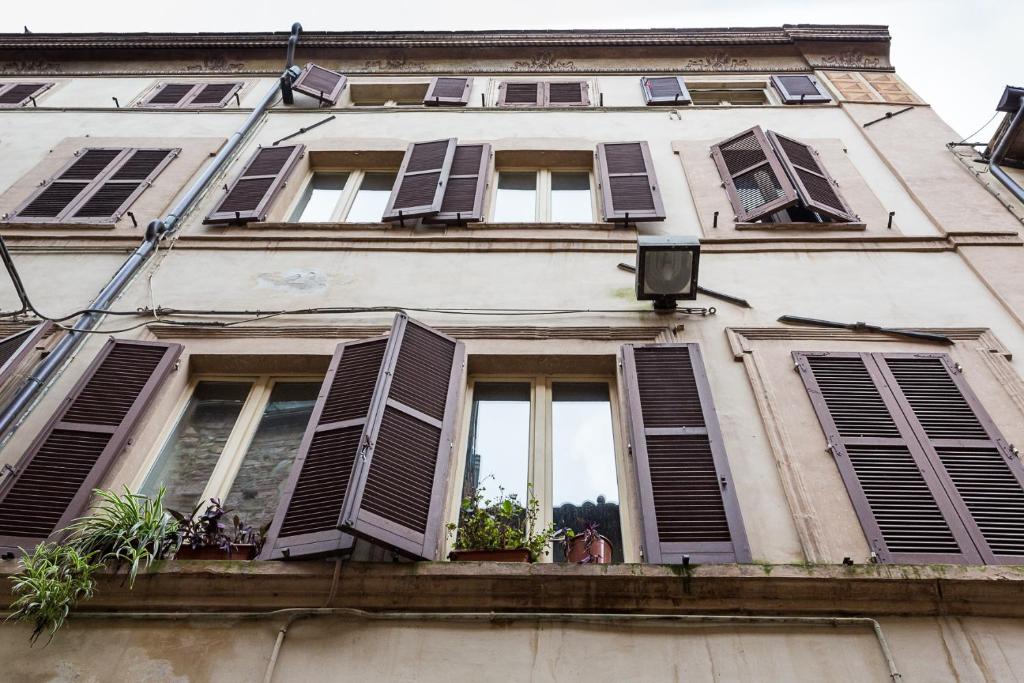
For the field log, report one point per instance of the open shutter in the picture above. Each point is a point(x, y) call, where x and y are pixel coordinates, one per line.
point(323, 84)
point(109, 198)
point(800, 89)
point(420, 185)
point(966, 449)
point(307, 516)
point(448, 91)
point(248, 197)
point(54, 479)
point(670, 90)
point(170, 95)
point(213, 95)
point(814, 185)
point(13, 95)
point(19, 346)
point(567, 94)
point(396, 494)
point(902, 506)
point(464, 194)
point(57, 196)
point(629, 188)
point(521, 94)
point(752, 175)
point(687, 496)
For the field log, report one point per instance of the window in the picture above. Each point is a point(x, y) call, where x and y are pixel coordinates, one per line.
point(394, 93)
point(728, 93)
point(543, 196)
point(235, 439)
point(531, 430)
point(251, 193)
point(190, 95)
point(13, 95)
point(544, 94)
point(344, 197)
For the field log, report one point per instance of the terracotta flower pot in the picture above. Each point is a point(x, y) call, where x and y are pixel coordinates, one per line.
point(600, 551)
point(239, 551)
point(514, 555)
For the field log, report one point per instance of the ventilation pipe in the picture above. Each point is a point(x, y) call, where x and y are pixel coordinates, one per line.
point(1013, 100)
point(156, 231)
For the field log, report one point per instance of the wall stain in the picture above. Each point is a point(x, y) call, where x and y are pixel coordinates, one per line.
point(301, 280)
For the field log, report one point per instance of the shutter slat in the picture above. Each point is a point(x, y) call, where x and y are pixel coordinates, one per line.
point(463, 200)
point(753, 177)
point(668, 90)
point(688, 501)
point(629, 187)
point(448, 91)
point(814, 185)
point(72, 454)
point(420, 186)
point(249, 196)
point(320, 83)
point(800, 89)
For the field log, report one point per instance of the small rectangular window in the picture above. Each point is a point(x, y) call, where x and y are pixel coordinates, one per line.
point(371, 198)
point(321, 198)
point(516, 200)
point(728, 93)
point(571, 201)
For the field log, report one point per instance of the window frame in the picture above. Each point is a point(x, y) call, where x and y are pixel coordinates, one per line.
point(697, 86)
point(348, 193)
point(543, 206)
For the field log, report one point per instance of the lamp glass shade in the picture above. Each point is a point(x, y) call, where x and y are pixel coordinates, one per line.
point(667, 271)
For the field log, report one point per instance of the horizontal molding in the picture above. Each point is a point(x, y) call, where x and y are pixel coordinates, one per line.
point(739, 336)
point(596, 333)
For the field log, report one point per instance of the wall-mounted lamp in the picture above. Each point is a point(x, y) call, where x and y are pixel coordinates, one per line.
point(666, 269)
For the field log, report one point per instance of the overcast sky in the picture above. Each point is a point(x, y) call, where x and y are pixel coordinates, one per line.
point(957, 55)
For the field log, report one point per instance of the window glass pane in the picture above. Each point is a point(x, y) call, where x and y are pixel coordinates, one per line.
point(499, 440)
point(371, 198)
point(516, 200)
point(189, 456)
point(570, 198)
point(320, 198)
point(264, 470)
point(584, 482)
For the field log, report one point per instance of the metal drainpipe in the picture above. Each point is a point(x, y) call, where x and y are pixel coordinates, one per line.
point(156, 231)
point(997, 156)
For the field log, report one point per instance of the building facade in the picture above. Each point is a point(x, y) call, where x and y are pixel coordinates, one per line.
point(411, 277)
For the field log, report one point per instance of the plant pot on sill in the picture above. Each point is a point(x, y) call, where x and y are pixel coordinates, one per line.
point(600, 551)
point(503, 555)
point(239, 551)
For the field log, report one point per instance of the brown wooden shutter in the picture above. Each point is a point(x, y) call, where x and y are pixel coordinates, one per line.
point(448, 91)
point(753, 177)
point(13, 95)
point(567, 94)
point(55, 477)
point(629, 187)
point(900, 501)
point(213, 95)
point(985, 477)
point(248, 198)
point(521, 94)
point(15, 349)
point(308, 514)
point(687, 496)
point(320, 83)
point(420, 185)
point(669, 90)
point(396, 494)
point(889, 87)
point(464, 194)
point(814, 185)
point(800, 89)
point(111, 196)
point(169, 95)
point(58, 195)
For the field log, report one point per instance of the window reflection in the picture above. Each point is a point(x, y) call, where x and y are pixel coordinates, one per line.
point(371, 198)
point(570, 198)
point(499, 440)
point(321, 198)
point(516, 199)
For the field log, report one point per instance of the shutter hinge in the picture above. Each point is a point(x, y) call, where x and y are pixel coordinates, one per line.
point(5, 472)
point(641, 552)
point(723, 482)
point(959, 368)
point(177, 364)
point(629, 449)
point(833, 450)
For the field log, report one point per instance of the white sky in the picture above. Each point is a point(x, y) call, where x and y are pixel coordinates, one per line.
point(956, 55)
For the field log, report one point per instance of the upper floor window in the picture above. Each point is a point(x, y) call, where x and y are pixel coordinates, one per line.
point(13, 95)
point(728, 92)
point(171, 95)
point(543, 196)
point(358, 196)
point(544, 94)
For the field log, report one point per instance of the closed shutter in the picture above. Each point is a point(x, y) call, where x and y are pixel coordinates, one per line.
point(521, 94)
point(852, 87)
point(814, 185)
point(464, 194)
point(14, 95)
point(629, 188)
point(670, 90)
point(567, 94)
point(420, 185)
point(448, 91)
point(248, 198)
point(214, 95)
point(15, 349)
point(169, 95)
point(687, 496)
point(323, 84)
point(110, 197)
point(396, 494)
point(800, 89)
point(889, 87)
point(965, 446)
point(899, 499)
point(752, 175)
point(55, 478)
point(308, 514)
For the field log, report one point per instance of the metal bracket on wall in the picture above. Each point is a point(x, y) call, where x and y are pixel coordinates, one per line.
point(300, 131)
point(888, 115)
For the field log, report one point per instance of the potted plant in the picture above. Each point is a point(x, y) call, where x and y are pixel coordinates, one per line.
point(499, 530)
point(587, 546)
point(206, 537)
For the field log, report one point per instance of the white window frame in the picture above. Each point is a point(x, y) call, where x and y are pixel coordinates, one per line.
point(543, 207)
point(348, 193)
point(751, 83)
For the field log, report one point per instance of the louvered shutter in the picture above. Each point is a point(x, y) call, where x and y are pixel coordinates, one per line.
point(320, 83)
point(670, 90)
point(396, 495)
point(19, 346)
point(521, 94)
point(111, 196)
point(752, 175)
point(687, 496)
point(55, 477)
point(58, 195)
point(567, 94)
point(965, 447)
point(464, 194)
point(899, 499)
point(800, 89)
point(448, 91)
point(420, 185)
point(629, 188)
point(307, 516)
point(17, 94)
point(889, 87)
point(169, 95)
point(248, 198)
point(814, 185)
point(213, 95)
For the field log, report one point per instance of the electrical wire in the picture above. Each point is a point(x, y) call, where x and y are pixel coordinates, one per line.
point(980, 129)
